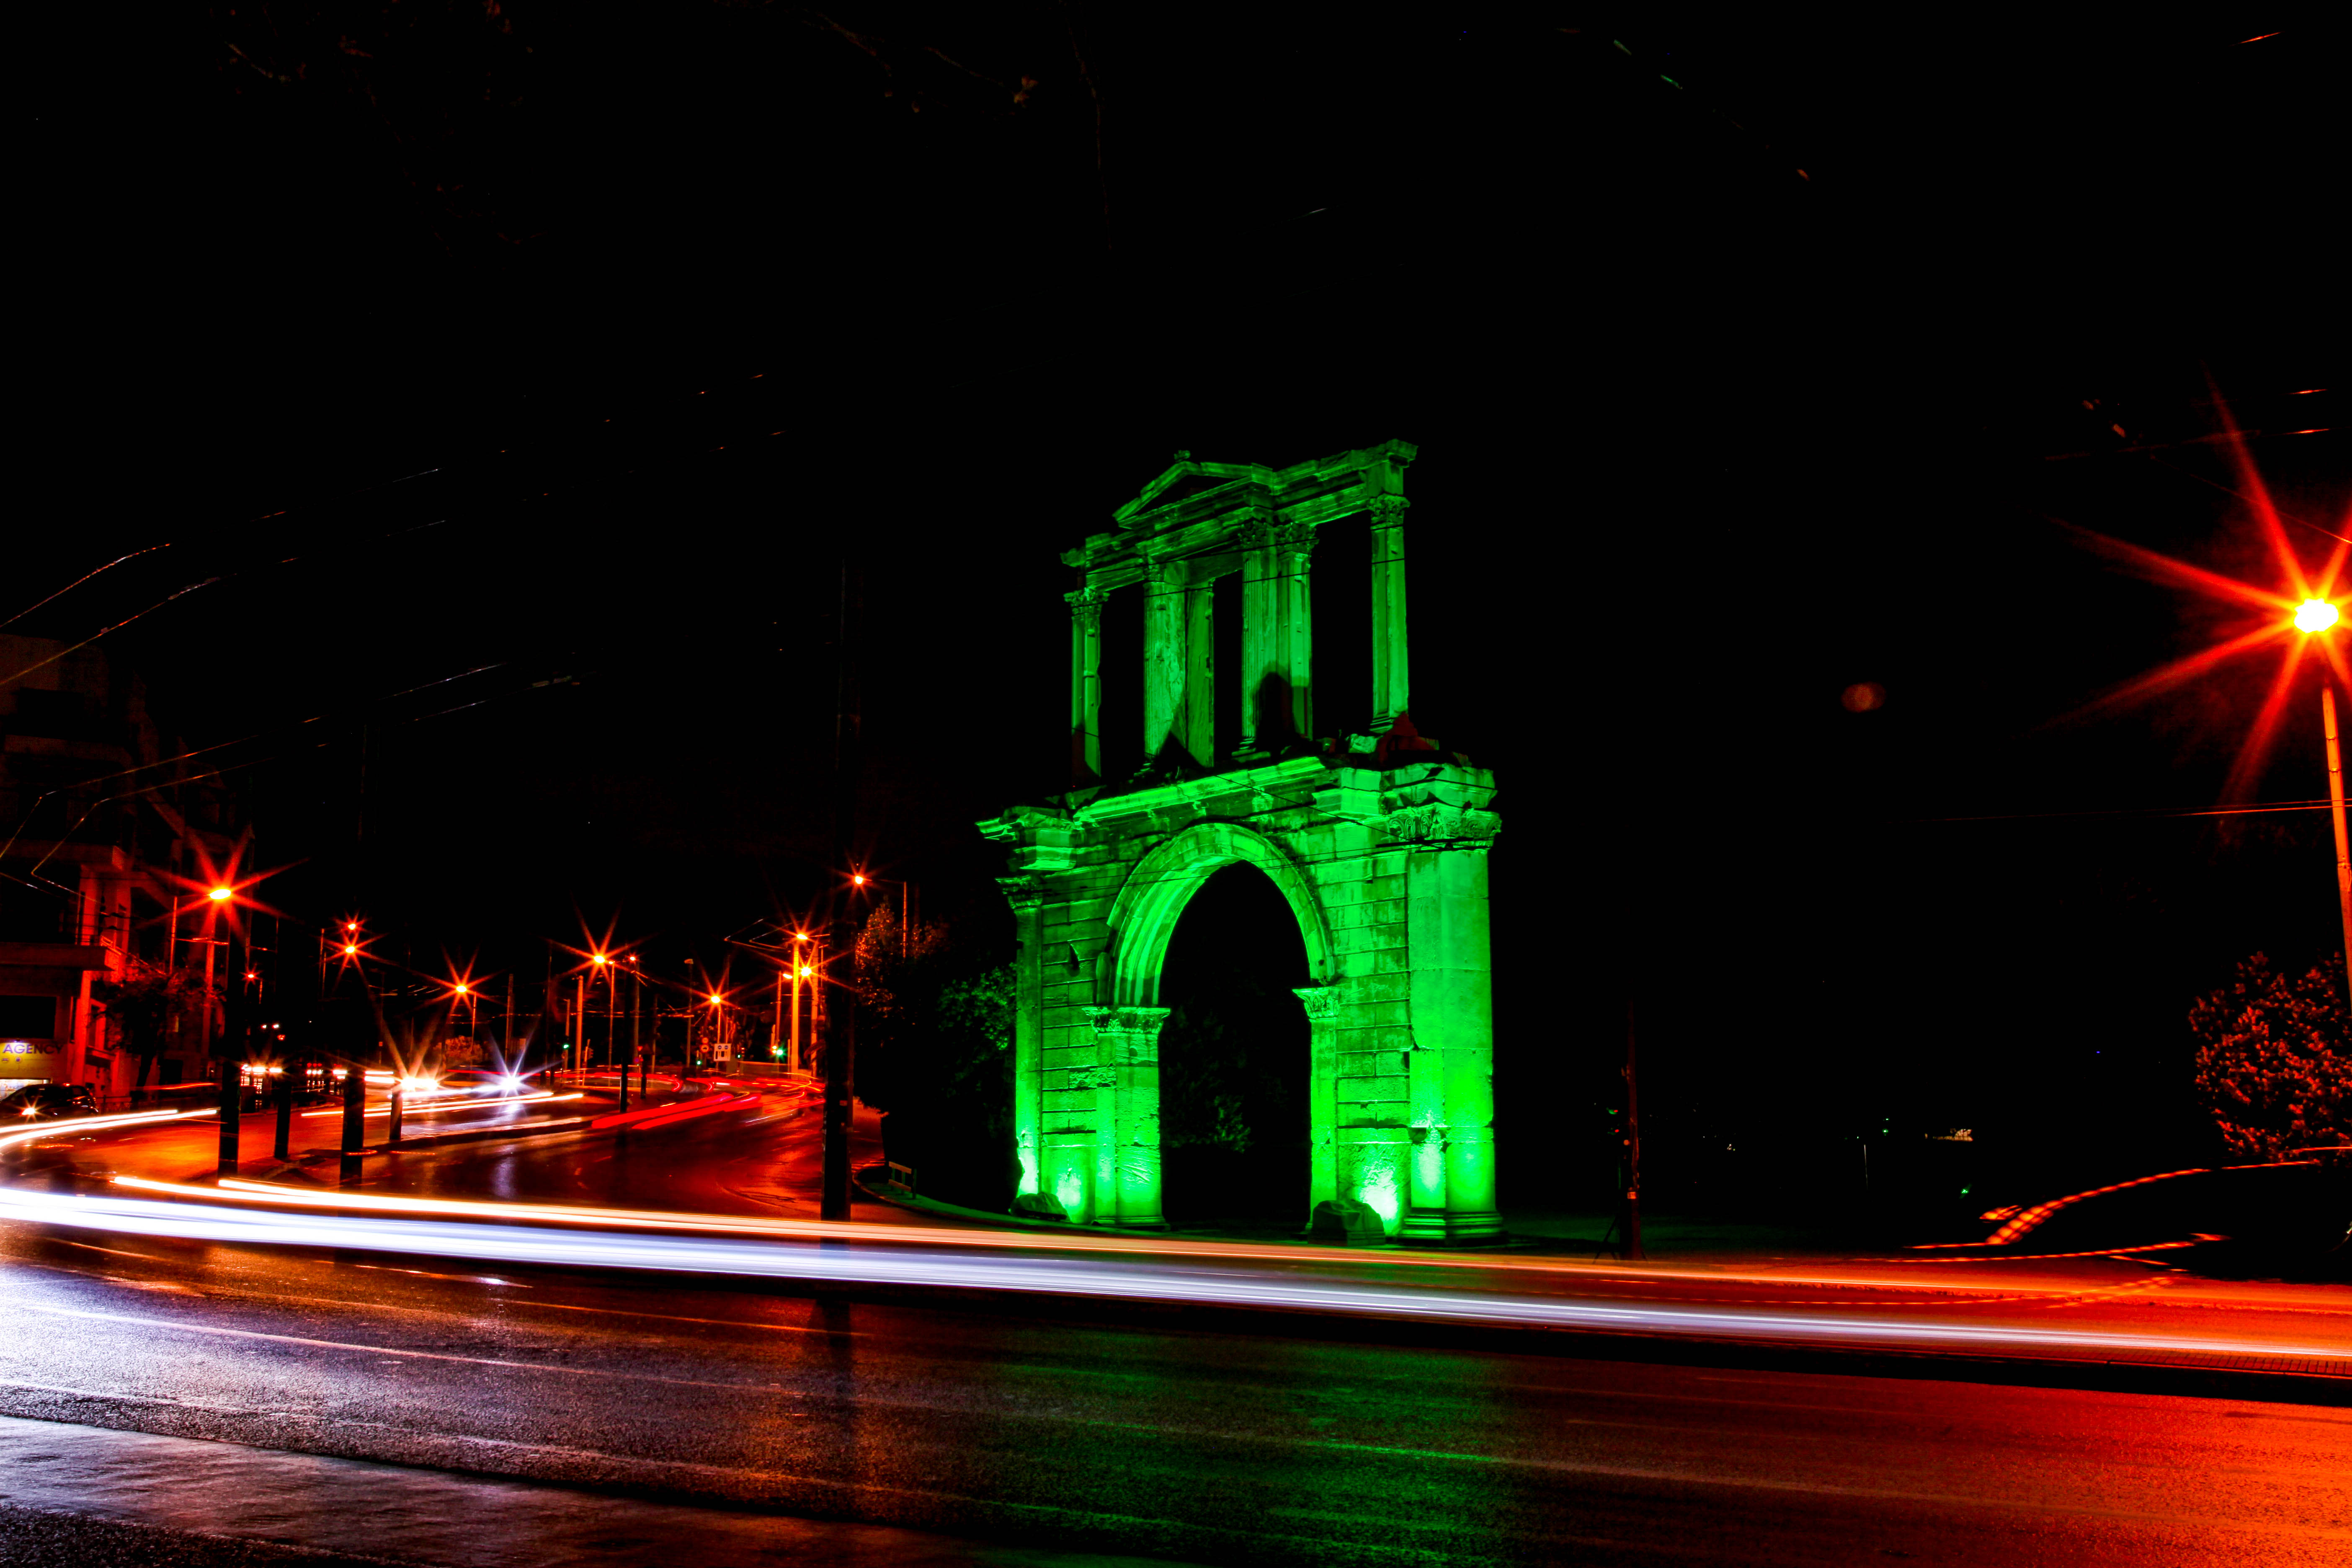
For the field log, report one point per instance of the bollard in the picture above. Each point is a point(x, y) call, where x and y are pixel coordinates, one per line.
point(231, 1110)
point(354, 1122)
point(624, 1085)
point(284, 1144)
point(398, 1102)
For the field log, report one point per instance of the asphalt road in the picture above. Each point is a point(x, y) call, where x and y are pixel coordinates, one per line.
point(1018, 1425)
point(1013, 1419)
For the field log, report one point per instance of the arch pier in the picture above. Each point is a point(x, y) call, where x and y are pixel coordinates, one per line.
point(1377, 842)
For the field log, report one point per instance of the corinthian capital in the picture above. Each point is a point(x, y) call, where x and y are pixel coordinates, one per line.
point(1086, 608)
point(1322, 1002)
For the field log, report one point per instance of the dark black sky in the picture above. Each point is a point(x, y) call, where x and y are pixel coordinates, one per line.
point(1736, 353)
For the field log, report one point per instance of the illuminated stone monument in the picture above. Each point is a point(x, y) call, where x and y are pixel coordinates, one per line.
point(1377, 842)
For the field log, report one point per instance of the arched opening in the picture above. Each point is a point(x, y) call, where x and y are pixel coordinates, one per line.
point(1234, 1058)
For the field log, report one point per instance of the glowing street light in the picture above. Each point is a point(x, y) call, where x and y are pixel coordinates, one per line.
point(221, 895)
point(2295, 601)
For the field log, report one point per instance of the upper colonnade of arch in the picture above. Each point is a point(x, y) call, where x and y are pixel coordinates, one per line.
point(1200, 523)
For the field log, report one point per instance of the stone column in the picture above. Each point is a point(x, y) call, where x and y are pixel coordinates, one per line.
point(1293, 547)
point(1451, 1065)
point(1086, 687)
point(1322, 1004)
point(1200, 671)
point(1392, 693)
point(1260, 642)
point(1028, 903)
point(1127, 1176)
point(1163, 656)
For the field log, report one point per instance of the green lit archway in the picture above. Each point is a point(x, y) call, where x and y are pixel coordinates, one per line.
point(1143, 916)
point(1377, 841)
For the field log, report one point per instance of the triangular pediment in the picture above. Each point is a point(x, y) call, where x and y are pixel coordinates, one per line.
point(1184, 477)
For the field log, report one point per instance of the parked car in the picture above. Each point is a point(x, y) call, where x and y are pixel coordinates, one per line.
point(48, 1101)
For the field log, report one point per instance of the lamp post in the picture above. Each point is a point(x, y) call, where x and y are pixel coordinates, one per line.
point(231, 1070)
point(905, 890)
point(637, 1030)
point(2314, 617)
point(796, 972)
point(602, 965)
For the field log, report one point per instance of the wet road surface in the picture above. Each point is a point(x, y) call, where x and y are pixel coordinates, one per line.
point(184, 1495)
point(1017, 1421)
point(1018, 1426)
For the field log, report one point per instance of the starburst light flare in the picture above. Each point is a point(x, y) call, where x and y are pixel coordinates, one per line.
point(2300, 614)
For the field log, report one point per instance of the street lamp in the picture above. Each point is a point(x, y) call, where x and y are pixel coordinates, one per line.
point(905, 890)
point(2312, 617)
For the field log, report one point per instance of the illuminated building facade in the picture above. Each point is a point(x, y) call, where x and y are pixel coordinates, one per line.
point(96, 833)
point(1377, 842)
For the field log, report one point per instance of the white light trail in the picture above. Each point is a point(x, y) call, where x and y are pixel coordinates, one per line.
point(426, 1108)
point(237, 1188)
point(938, 1269)
point(70, 1126)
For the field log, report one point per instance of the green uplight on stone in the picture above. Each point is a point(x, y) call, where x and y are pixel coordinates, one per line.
point(1377, 842)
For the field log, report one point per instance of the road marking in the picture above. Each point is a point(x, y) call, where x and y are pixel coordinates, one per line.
point(429, 1274)
point(115, 1251)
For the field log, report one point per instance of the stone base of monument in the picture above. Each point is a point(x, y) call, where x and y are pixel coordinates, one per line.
point(1039, 1205)
point(1346, 1222)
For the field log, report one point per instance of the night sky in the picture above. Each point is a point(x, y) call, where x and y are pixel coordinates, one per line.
point(523, 372)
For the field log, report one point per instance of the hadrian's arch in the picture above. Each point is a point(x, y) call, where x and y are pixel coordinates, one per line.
point(1376, 840)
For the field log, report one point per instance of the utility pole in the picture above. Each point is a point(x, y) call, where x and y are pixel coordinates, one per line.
point(776, 1029)
point(547, 1004)
point(282, 1146)
point(2336, 805)
point(232, 1108)
point(231, 1068)
point(354, 1123)
point(1632, 1146)
point(841, 1039)
point(611, 1029)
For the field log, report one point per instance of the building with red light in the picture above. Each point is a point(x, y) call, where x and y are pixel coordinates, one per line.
point(100, 825)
